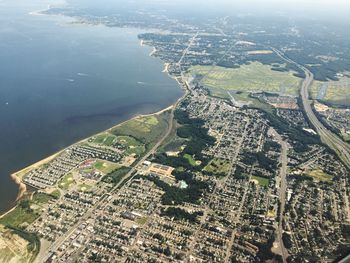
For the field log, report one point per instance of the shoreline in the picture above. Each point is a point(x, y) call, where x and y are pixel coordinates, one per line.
point(18, 176)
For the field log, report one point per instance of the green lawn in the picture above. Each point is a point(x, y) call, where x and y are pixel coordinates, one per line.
point(261, 180)
point(252, 77)
point(191, 160)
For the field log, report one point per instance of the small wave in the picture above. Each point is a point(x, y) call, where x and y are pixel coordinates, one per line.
point(82, 74)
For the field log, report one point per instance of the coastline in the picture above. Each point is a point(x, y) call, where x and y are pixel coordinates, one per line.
point(18, 176)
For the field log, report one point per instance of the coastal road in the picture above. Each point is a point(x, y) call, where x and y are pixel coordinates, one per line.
point(45, 255)
point(341, 148)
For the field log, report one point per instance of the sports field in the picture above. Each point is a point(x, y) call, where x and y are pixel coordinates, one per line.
point(252, 77)
point(260, 180)
point(145, 129)
point(105, 166)
point(333, 92)
point(66, 182)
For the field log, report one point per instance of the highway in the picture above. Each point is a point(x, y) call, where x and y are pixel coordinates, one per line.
point(341, 148)
point(282, 194)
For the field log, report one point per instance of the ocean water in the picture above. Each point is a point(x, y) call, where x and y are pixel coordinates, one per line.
point(61, 81)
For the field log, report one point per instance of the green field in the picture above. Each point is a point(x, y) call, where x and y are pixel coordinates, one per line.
point(261, 180)
point(105, 166)
point(66, 182)
point(145, 129)
point(105, 139)
point(19, 216)
point(191, 160)
point(132, 145)
point(319, 176)
point(337, 92)
point(218, 167)
point(27, 211)
point(141, 220)
point(252, 77)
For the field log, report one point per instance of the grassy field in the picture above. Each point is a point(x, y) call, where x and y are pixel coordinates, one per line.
point(191, 160)
point(252, 77)
point(19, 216)
point(105, 166)
point(106, 139)
point(337, 93)
point(260, 180)
point(146, 129)
point(141, 220)
point(66, 182)
point(319, 175)
point(26, 212)
point(133, 146)
point(219, 167)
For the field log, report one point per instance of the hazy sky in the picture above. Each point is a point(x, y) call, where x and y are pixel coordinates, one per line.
point(329, 9)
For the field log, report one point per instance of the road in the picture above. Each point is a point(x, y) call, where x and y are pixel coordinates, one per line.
point(341, 148)
point(192, 40)
point(45, 255)
point(282, 194)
